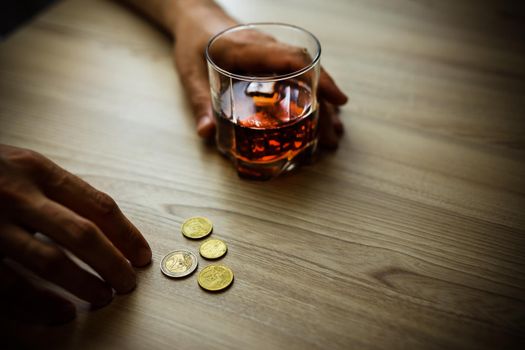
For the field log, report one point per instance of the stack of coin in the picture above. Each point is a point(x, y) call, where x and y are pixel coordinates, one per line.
point(181, 263)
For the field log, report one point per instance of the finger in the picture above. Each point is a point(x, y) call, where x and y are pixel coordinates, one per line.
point(277, 58)
point(329, 90)
point(21, 300)
point(267, 59)
point(328, 138)
point(194, 79)
point(52, 264)
point(83, 238)
point(76, 194)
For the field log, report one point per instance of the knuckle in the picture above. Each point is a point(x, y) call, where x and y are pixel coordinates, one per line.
point(298, 51)
point(193, 77)
point(27, 159)
point(297, 57)
point(56, 176)
point(198, 101)
point(50, 261)
point(105, 204)
point(12, 196)
point(17, 197)
point(84, 232)
point(186, 69)
point(47, 208)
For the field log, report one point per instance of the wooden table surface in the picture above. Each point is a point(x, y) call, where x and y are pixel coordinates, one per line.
point(411, 235)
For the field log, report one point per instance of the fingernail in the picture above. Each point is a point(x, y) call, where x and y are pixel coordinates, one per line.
point(130, 284)
point(205, 126)
point(144, 257)
point(345, 98)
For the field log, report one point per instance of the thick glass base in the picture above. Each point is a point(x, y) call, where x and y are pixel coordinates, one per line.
point(268, 170)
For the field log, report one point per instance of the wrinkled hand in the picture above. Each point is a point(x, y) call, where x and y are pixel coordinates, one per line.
point(196, 24)
point(37, 195)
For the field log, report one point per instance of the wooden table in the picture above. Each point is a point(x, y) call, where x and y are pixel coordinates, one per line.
point(411, 235)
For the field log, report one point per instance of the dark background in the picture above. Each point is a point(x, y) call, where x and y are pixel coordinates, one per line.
point(15, 13)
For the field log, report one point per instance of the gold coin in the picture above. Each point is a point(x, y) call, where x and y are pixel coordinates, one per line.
point(196, 227)
point(213, 248)
point(178, 263)
point(215, 277)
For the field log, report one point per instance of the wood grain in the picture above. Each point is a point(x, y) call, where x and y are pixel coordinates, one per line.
point(411, 235)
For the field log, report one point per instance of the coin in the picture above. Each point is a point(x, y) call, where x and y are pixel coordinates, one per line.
point(178, 263)
point(213, 248)
point(196, 227)
point(215, 277)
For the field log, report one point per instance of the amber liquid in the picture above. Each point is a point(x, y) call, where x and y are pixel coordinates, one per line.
point(266, 128)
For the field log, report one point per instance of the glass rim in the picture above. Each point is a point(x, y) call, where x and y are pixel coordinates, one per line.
point(278, 77)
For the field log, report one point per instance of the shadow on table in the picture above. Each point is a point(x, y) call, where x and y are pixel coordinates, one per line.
point(94, 324)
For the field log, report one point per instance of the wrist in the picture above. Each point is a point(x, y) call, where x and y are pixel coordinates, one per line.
point(206, 12)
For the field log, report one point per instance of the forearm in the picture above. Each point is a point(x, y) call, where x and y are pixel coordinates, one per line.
point(171, 14)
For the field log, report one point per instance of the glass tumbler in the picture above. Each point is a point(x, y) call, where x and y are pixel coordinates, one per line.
point(264, 79)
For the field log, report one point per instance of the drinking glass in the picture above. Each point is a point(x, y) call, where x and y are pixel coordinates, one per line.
point(264, 79)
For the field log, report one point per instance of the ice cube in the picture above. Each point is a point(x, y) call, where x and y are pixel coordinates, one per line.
point(260, 88)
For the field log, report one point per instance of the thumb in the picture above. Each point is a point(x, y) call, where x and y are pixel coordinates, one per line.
point(194, 79)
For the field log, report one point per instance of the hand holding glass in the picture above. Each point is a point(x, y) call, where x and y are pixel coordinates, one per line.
point(264, 96)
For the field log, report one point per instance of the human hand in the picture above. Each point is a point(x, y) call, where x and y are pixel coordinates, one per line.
point(37, 195)
point(198, 22)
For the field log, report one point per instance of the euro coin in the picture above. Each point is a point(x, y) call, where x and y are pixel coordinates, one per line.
point(196, 227)
point(178, 263)
point(215, 277)
point(213, 248)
